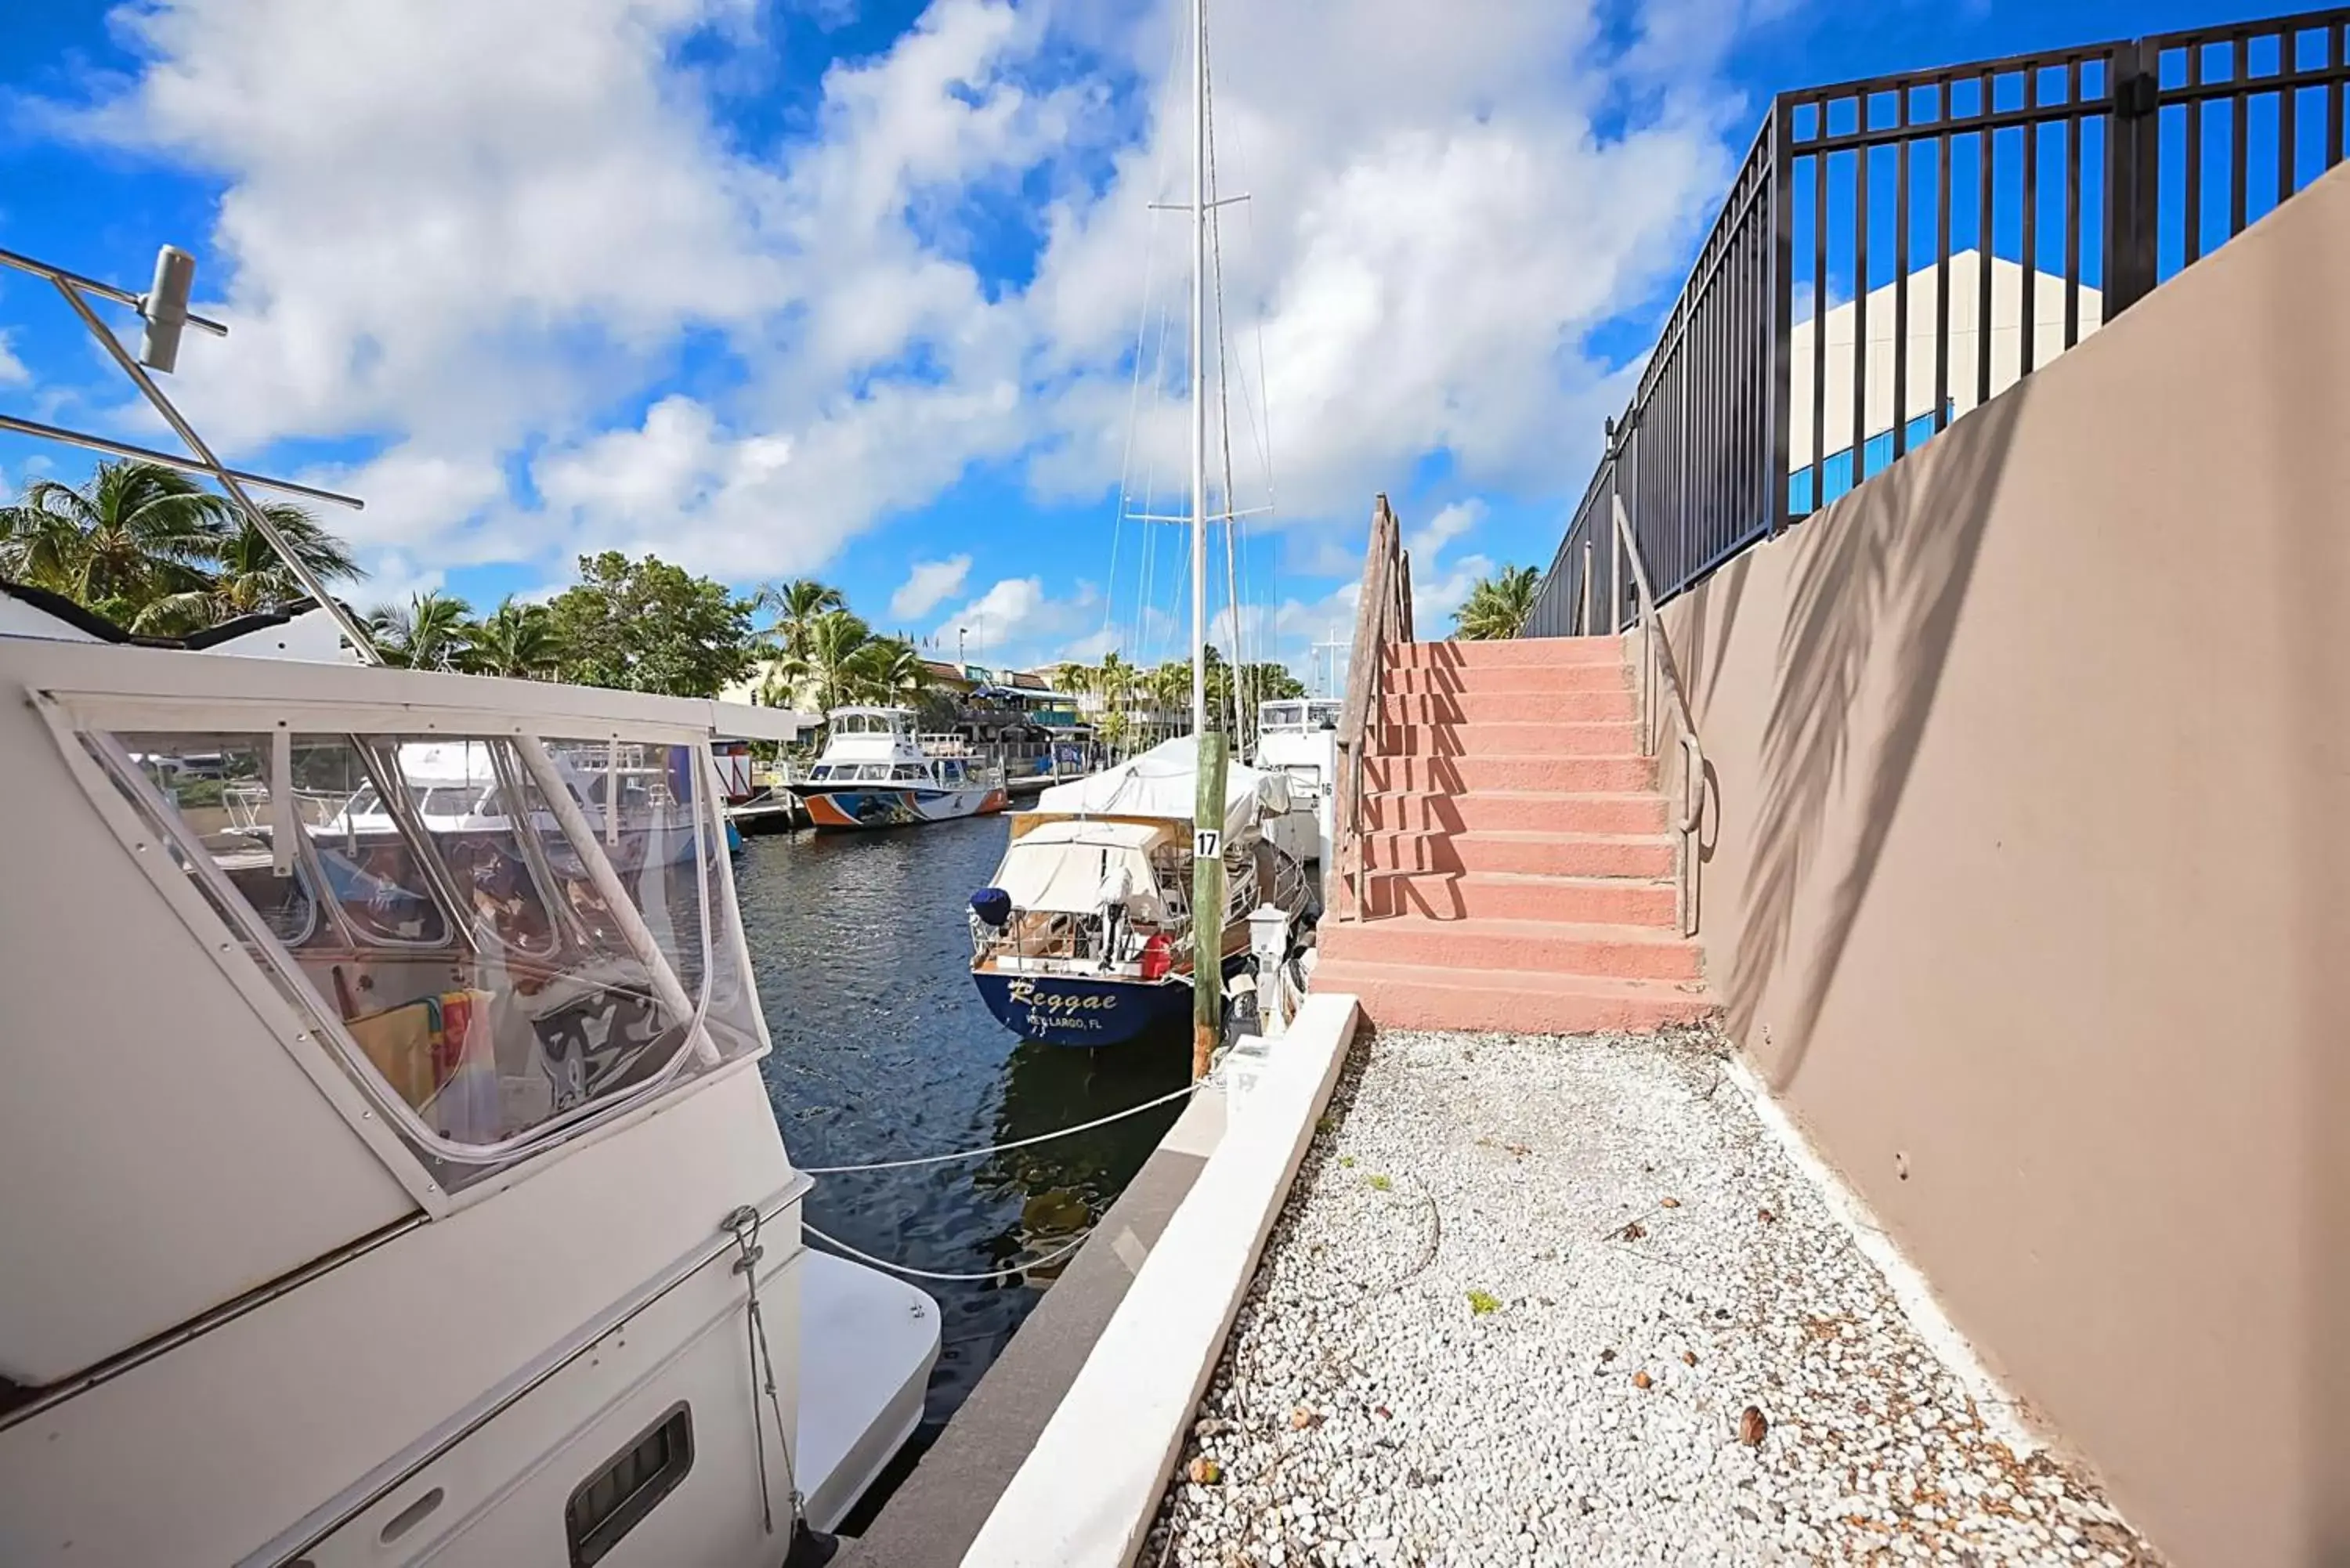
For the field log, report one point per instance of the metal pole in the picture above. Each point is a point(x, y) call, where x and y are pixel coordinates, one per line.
point(1200, 374)
point(361, 644)
point(185, 465)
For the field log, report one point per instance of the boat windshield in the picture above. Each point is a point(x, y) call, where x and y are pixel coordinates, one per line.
point(494, 970)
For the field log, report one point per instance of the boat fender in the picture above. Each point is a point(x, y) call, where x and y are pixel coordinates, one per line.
point(810, 1548)
point(993, 906)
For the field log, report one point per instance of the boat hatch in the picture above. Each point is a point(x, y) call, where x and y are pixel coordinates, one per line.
point(498, 946)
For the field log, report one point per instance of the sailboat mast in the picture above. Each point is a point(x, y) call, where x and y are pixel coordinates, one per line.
point(1199, 367)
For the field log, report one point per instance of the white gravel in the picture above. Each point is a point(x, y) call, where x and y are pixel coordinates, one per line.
point(1438, 1361)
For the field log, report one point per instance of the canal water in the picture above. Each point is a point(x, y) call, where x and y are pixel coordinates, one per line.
point(884, 1051)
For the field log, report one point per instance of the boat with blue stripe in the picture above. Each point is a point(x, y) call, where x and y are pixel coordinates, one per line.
point(875, 773)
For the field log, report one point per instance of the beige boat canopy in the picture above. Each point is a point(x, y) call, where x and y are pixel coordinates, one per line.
point(1062, 868)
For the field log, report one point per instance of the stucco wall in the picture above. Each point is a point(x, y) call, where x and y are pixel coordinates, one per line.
point(2030, 875)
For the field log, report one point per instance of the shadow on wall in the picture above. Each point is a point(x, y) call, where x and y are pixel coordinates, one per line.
point(1878, 581)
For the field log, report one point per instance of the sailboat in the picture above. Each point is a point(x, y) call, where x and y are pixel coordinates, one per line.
point(1085, 936)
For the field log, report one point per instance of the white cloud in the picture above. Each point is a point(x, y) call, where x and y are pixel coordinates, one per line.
point(1017, 622)
point(12, 370)
point(1426, 543)
point(930, 585)
point(469, 230)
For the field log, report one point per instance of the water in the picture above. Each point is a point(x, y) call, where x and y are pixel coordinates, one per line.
point(884, 1051)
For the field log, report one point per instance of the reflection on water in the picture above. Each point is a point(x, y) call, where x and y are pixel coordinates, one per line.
point(884, 1051)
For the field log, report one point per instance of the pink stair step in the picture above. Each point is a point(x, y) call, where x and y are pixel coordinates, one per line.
point(1475, 707)
point(1410, 996)
point(1508, 895)
point(1551, 774)
point(1616, 952)
point(1489, 679)
point(1570, 739)
point(1513, 811)
point(1533, 854)
point(1552, 650)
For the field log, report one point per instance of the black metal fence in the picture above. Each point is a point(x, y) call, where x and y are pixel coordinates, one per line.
point(1898, 251)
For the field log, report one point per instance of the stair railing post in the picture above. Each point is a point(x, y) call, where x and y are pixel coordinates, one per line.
point(1582, 620)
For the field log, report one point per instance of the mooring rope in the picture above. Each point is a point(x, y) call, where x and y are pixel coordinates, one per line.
point(1030, 1267)
point(1187, 1090)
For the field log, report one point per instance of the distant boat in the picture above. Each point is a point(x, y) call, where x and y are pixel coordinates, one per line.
point(1085, 936)
point(875, 773)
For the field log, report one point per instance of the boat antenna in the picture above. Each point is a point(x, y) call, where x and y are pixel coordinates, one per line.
point(164, 310)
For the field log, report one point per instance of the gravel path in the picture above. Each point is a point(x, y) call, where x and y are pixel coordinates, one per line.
point(1522, 1299)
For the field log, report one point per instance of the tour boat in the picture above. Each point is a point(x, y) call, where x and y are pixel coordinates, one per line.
point(875, 773)
point(402, 1195)
point(1084, 935)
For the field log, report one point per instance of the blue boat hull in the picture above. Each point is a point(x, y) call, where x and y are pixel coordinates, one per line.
point(1089, 1010)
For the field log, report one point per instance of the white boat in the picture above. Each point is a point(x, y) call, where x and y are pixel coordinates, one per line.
point(874, 773)
point(399, 1191)
point(385, 1214)
point(1298, 738)
point(1084, 936)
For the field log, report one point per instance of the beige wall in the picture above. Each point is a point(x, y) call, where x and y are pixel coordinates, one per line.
point(2030, 869)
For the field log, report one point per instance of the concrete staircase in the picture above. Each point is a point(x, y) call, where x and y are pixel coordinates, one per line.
point(1520, 867)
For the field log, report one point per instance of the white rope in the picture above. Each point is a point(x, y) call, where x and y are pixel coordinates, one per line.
point(1046, 1261)
point(1186, 1090)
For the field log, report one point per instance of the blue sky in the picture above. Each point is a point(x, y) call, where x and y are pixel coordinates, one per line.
point(777, 288)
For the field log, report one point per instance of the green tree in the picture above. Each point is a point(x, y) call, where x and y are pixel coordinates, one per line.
point(829, 672)
point(1497, 606)
point(513, 639)
point(134, 533)
point(247, 575)
point(1268, 683)
point(429, 632)
point(891, 670)
point(648, 626)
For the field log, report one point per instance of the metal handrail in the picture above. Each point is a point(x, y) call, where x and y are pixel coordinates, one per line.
point(1657, 656)
point(1382, 615)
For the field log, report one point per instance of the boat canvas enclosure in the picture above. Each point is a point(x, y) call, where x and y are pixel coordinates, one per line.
point(1164, 782)
point(1061, 867)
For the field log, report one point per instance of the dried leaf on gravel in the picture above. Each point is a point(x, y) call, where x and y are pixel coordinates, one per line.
point(1765, 1216)
point(1668, 1204)
point(1301, 1419)
point(1688, 1358)
point(1641, 1380)
point(1752, 1427)
point(1633, 1231)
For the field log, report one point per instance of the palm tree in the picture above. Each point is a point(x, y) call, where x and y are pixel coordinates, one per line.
point(513, 639)
point(796, 604)
point(827, 673)
point(891, 670)
point(248, 576)
point(428, 633)
point(1497, 606)
point(133, 534)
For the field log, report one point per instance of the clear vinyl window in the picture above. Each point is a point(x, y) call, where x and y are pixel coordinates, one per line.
point(509, 936)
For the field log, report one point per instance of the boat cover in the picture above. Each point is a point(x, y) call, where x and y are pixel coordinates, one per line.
point(1058, 867)
point(1163, 782)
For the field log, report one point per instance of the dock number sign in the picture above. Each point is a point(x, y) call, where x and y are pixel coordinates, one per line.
point(1207, 844)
